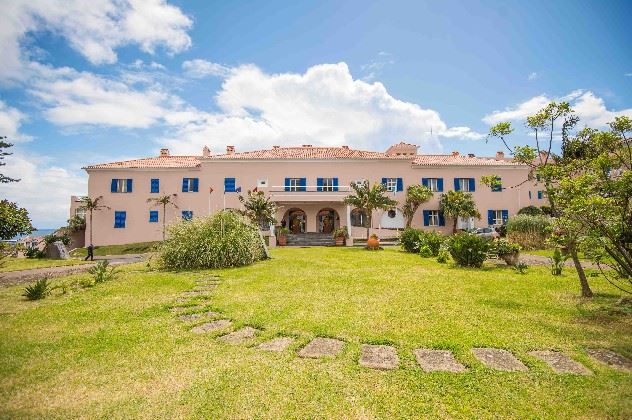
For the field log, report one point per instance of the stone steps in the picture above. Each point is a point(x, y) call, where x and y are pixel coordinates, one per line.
point(310, 239)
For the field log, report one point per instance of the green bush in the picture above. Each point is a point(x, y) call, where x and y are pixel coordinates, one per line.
point(52, 238)
point(504, 247)
point(101, 272)
point(32, 252)
point(468, 250)
point(425, 251)
point(530, 211)
point(557, 261)
point(409, 239)
point(414, 240)
point(530, 232)
point(444, 254)
point(38, 290)
point(225, 239)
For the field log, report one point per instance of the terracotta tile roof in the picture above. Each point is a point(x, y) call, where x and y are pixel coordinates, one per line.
point(460, 160)
point(308, 153)
point(153, 162)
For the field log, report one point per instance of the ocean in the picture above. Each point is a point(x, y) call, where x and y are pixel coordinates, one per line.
point(37, 232)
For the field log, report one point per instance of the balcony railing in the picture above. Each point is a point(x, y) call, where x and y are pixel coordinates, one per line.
point(307, 189)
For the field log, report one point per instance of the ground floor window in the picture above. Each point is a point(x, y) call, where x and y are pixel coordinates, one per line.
point(153, 216)
point(187, 214)
point(497, 217)
point(433, 218)
point(358, 218)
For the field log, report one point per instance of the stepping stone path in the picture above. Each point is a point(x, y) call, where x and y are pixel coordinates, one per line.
point(378, 357)
point(438, 360)
point(219, 324)
point(499, 359)
point(560, 363)
point(611, 358)
point(196, 316)
point(321, 347)
point(193, 293)
point(276, 344)
point(239, 336)
point(180, 309)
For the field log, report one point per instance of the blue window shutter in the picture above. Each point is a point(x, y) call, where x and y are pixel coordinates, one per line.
point(426, 214)
point(319, 184)
point(153, 216)
point(384, 182)
point(472, 184)
point(505, 215)
point(196, 184)
point(335, 184)
point(529, 195)
point(113, 185)
point(129, 185)
point(490, 217)
point(187, 214)
point(456, 184)
point(400, 184)
point(123, 217)
point(441, 219)
point(119, 219)
point(539, 195)
point(185, 184)
point(424, 182)
point(229, 184)
point(440, 184)
point(303, 184)
point(287, 184)
point(155, 185)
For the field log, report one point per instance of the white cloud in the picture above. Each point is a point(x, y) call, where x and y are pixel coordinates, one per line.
point(10, 121)
point(532, 76)
point(464, 133)
point(199, 68)
point(590, 108)
point(374, 68)
point(323, 106)
point(94, 28)
point(628, 74)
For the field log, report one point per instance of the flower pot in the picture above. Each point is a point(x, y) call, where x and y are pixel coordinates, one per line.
point(373, 243)
point(282, 240)
point(511, 259)
point(340, 240)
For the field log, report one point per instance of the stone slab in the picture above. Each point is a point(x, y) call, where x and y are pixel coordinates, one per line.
point(611, 358)
point(378, 356)
point(193, 293)
point(181, 309)
point(432, 360)
point(196, 316)
point(560, 363)
point(239, 336)
point(216, 325)
point(499, 359)
point(276, 344)
point(321, 347)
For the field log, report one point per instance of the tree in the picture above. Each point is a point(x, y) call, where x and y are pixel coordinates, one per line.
point(416, 195)
point(4, 145)
point(164, 201)
point(13, 220)
point(76, 223)
point(91, 205)
point(259, 208)
point(369, 198)
point(457, 204)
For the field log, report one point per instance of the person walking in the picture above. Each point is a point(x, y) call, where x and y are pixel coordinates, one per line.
point(90, 253)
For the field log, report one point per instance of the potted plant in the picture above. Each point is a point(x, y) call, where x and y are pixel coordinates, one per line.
point(340, 235)
point(282, 236)
point(373, 242)
point(507, 251)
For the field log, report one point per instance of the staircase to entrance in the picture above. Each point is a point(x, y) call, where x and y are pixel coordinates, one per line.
point(310, 239)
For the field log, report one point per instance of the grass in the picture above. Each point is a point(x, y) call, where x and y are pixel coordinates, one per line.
point(15, 264)
point(115, 350)
point(136, 248)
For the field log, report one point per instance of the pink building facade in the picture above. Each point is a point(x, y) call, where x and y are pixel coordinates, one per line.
point(308, 184)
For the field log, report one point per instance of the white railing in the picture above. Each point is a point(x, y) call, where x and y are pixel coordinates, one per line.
point(307, 188)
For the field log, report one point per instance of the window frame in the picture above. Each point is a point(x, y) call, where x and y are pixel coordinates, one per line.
point(433, 218)
point(391, 185)
point(120, 215)
point(464, 184)
point(328, 185)
point(498, 221)
point(294, 184)
point(433, 184)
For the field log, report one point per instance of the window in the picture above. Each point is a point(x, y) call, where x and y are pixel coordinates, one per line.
point(540, 195)
point(187, 214)
point(262, 183)
point(464, 184)
point(80, 212)
point(358, 218)
point(433, 218)
point(295, 184)
point(190, 184)
point(230, 184)
point(327, 184)
point(153, 216)
point(497, 217)
point(435, 184)
point(392, 213)
point(498, 186)
point(121, 186)
point(155, 185)
point(119, 219)
point(393, 184)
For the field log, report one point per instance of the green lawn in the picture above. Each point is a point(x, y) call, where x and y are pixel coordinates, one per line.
point(115, 350)
point(14, 264)
point(136, 248)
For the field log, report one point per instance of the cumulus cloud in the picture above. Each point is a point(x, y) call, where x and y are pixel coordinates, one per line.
point(94, 28)
point(590, 108)
point(464, 133)
point(10, 121)
point(199, 68)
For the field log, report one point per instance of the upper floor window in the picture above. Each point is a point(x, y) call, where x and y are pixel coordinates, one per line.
point(540, 195)
point(190, 184)
point(435, 184)
point(81, 212)
point(155, 185)
point(121, 186)
point(464, 184)
point(327, 184)
point(230, 184)
point(295, 184)
point(393, 184)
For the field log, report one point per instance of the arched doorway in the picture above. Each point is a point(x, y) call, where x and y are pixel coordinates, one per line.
point(327, 220)
point(295, 220)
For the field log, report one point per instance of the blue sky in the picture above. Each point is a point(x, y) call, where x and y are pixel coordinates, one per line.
point(108, 80)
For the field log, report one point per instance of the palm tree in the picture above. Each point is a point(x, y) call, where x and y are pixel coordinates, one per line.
point(457, 204)
point(259, 208)
point(369, 198)
point(416, 195)
point(91, 205)
point(164, 201)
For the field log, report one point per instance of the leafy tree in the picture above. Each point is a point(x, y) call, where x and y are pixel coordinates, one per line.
point(368, 198)
point(4, 145)
point(164, 201)
point(14, 220)
point(76, 223)
point(416, 195)
point(91, 205)
point(259, 208)
point(457, 204)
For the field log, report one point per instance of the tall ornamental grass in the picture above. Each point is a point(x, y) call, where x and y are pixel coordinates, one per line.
point(225, 239)
point(530, 232)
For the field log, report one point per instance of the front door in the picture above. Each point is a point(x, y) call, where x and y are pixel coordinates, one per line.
point(326, 221)
point(297, 221)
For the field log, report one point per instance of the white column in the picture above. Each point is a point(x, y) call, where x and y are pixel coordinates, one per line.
point(349, 240)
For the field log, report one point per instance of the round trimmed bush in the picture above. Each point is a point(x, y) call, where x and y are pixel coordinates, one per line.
point(225, 239)
point(468, 250)
point(426, 243)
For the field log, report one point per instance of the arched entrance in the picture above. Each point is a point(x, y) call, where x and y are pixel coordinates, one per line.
point(327, 220)
point(294, 219)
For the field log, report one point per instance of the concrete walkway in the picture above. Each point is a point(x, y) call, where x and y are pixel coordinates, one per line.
point(11, 278)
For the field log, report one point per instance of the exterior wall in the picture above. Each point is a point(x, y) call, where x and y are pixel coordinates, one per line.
point(212, 173)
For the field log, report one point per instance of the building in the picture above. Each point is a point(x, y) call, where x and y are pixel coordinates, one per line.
point(308, 184)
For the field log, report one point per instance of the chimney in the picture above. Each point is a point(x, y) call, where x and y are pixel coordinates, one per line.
point(500, 155)
point(230, 150)
point(164, 152)
point(275, 147)
point(206, 152)
point(471, 155)
point(455, 153)
point(307, 145)
point(345, 147)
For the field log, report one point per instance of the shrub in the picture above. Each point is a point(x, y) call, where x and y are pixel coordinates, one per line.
point(52, 238)
point(425, 251)
point(468, 250)
point(413, 240)
point(341, 233)
point(521, 267)
point(506, 251)
point(32, 252)
point(557, 261)
point(38, 290)
point(530, 232)
point(225, 239)
point(409, 239)
point(102, 272)
point(530, 211)
point(444, 253)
